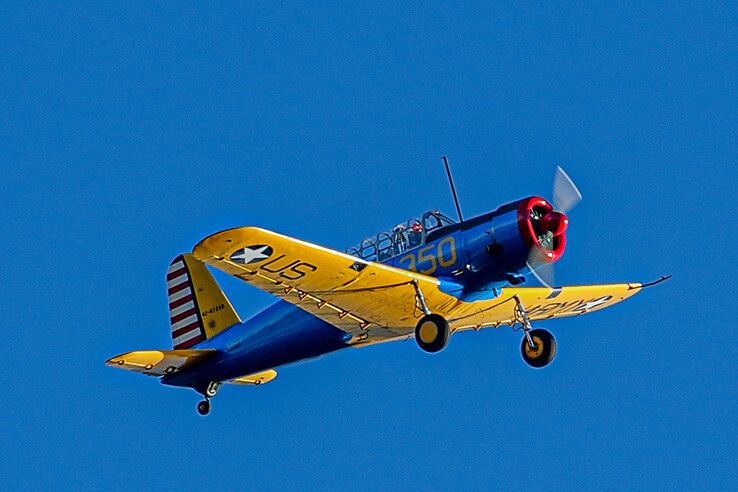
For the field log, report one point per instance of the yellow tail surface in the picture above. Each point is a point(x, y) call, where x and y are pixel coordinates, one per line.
point(163, 362)
point(158, 362)
point(198, 308)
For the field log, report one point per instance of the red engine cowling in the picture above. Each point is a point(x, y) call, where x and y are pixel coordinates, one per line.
point(542, 228)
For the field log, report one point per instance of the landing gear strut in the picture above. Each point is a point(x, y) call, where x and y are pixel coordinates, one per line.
point(203, 407)
point(543, 350)
point(538, 346)
point(432, 331)
point(212, 389)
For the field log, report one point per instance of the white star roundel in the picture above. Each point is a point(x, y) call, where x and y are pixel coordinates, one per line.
point(252, 254)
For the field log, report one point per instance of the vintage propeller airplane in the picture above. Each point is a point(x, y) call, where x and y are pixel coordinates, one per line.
point(426, 279)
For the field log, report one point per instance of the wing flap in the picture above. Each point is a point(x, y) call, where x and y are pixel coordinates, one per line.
point(159, 362)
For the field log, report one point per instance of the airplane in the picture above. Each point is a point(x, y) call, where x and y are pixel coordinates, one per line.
point(425, 279)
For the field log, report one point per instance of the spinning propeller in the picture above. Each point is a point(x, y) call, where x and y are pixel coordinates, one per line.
point(566, 196)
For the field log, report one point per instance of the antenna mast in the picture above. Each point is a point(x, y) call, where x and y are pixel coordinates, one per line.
point(453, 188)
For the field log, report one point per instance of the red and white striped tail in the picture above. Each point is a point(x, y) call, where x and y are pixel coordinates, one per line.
point(187, 326)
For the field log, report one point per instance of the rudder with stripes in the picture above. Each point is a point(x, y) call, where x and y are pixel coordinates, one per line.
point(198, 308)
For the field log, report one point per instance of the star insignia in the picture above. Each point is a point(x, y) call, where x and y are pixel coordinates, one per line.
point(252, 254)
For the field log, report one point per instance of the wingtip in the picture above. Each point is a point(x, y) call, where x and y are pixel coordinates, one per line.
point(114, 361)
point(663, 278)
point(203, 250)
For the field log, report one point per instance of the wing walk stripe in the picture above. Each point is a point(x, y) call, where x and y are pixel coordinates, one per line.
point(179, 317)
point(175, 289)
point(176, 273)
point(173, 311)
point(179, 324)
point(179, 295)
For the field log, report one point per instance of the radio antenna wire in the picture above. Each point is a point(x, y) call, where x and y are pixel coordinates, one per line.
point(453, 188)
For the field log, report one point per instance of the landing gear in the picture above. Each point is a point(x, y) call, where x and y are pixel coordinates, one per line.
point(432, 331)
point(203, 407)
point(539, 345)
point(212, 389)
point(543, 350)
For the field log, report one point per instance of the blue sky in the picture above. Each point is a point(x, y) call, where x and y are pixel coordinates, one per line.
point(128, 133)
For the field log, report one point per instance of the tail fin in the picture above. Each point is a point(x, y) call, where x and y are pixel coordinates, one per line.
point(197, 307)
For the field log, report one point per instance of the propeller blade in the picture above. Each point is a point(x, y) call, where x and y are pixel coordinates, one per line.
point(545, 275)
point(541, 270)
point(566, 195)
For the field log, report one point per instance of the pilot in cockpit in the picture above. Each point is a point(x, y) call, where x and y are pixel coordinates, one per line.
point(415, 235)
point(399, 238)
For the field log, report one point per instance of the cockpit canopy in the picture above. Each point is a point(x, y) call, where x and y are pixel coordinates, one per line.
point(401, 238)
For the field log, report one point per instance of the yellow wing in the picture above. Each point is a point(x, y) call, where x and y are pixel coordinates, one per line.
point(362, 298)
point(376, 302)
point(540, 303)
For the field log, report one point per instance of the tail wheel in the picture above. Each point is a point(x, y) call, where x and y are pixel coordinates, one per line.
point(432, 333)
point(543, 351)
point(203, 407)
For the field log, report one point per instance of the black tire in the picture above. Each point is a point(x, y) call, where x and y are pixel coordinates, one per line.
point(432, 333)
point(203, 407)
point(545, 349)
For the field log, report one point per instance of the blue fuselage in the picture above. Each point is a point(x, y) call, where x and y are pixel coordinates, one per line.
point(281, 334)
point(487, 250)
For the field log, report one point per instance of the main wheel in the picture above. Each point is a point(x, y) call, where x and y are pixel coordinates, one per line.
point(203, 407)
point(543, 352)
point(432, 332)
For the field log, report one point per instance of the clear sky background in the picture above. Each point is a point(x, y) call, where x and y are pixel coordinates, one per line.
point(128, 133)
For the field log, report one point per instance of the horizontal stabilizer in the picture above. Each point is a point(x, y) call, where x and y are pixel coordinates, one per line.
point(159, 362)
point(255, 379)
